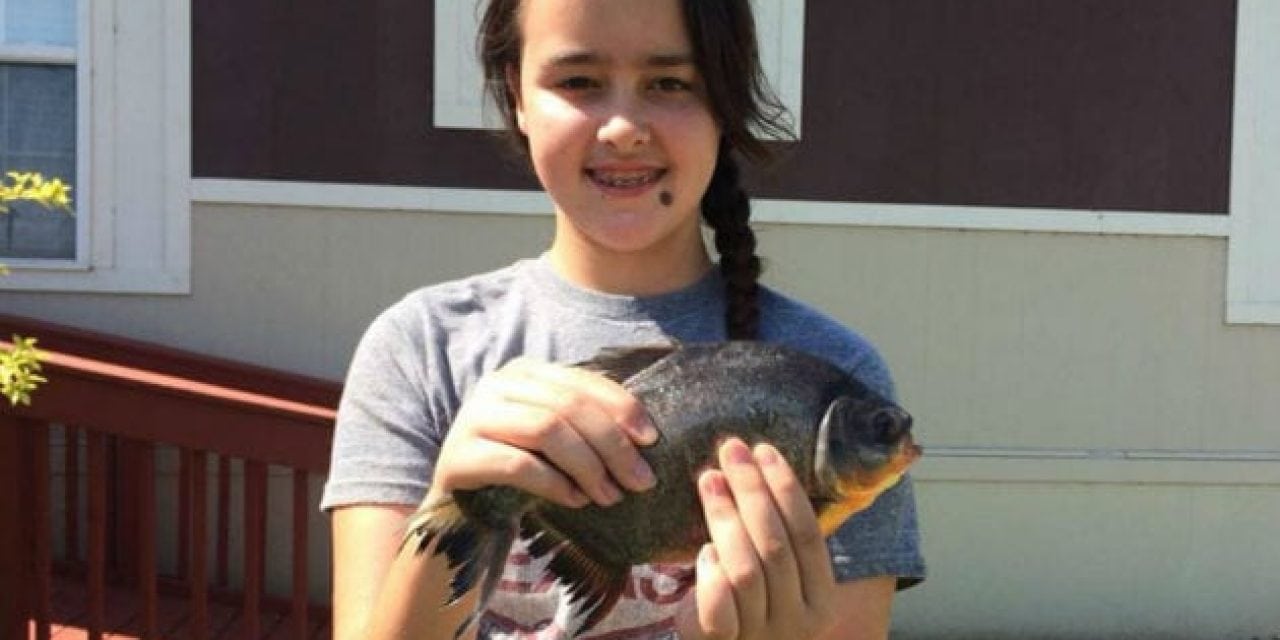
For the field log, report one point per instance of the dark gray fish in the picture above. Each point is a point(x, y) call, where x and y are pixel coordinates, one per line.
point(846, 444)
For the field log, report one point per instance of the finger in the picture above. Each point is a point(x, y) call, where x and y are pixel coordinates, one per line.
point(538, 429)
point(807, 542)
point(618, 403)
point(734, 549)
point(714, 613)
point(576, 401)
point(765, 527)
point(488, 462)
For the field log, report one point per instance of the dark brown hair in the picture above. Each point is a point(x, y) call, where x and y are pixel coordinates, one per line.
point(725, 52)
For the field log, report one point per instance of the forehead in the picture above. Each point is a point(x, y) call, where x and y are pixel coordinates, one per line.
point(608, 30)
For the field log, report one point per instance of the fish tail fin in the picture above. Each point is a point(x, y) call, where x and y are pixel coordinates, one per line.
point(473, 552)
point(594, 586)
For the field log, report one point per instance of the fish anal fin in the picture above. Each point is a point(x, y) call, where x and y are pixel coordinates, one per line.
point(621, 363)
point(594, 585)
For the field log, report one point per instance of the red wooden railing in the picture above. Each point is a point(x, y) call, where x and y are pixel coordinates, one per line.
point(127, 400)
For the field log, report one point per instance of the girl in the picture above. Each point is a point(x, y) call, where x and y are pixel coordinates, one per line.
point(632, 112)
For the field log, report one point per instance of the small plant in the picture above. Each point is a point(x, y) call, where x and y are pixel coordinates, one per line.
point(33, 187)
point(20, 371)
point(20, 363)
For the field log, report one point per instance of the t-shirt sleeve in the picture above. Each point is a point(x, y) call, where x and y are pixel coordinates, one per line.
point(884, 539)
point(387, 436)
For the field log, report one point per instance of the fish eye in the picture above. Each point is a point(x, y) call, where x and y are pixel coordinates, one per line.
point(886, 425)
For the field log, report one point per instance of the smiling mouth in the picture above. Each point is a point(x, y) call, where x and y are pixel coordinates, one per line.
point(625, 179)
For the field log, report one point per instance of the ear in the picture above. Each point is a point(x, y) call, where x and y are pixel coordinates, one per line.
point(512, 76)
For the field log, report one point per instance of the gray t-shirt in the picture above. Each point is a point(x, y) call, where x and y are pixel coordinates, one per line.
point(419, 358)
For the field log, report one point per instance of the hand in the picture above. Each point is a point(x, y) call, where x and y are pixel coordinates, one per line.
point(766, 572)
point(561, 433)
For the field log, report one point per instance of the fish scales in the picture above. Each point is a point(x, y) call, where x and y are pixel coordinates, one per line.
point(699, 396)
point(845, 443)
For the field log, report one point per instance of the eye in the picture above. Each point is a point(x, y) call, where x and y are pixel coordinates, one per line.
point(577, 83)
point(671, 85)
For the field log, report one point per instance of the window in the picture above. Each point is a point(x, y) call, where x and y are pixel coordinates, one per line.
point(99, 91)
point(38, 120)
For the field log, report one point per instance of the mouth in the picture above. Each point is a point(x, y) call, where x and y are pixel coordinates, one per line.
point(625, 182)
point(888, 466)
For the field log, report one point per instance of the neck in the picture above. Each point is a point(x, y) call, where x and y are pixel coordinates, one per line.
point(648, 272)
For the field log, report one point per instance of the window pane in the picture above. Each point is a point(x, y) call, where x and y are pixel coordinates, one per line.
point(44, 22)
point(38, 133)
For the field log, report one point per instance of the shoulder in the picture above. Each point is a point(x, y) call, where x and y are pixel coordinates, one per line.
point(438, 330)
point(464, 305)
point(791, 322)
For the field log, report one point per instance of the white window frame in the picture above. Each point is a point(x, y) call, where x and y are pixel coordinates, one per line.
point(61, 56)
point(458, 80)
point(132, 194)
point(1252, 228)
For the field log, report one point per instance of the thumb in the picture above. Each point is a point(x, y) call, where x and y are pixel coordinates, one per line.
point(708, 611)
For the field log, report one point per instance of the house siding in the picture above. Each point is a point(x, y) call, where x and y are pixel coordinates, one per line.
point(1035, 363)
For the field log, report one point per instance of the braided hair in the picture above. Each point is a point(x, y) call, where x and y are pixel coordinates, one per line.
point(727, 210)
point(723, 36)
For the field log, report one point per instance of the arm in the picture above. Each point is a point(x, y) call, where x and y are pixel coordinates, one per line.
point(865, 606)
point(366, 540)
point(551, 431)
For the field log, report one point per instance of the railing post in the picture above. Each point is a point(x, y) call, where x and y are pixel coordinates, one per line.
point(13, 523)
point(96, 551)
point(301, 507)
point(40, 514)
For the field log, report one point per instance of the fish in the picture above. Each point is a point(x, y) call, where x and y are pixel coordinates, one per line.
point(846, 443)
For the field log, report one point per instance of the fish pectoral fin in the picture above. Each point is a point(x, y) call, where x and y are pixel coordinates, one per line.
point(473, 552)
point(594, 585)
point(621, 363)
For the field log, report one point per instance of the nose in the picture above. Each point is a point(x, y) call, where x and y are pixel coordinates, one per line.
point(890, 424)
point(624, 125)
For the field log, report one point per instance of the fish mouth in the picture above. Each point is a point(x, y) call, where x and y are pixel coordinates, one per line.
point(883, 476)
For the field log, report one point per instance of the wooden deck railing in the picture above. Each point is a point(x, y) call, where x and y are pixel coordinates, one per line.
point(126, 401)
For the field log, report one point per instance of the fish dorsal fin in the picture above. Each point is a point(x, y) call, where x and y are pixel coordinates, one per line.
point(594, 586)
point(621, 363)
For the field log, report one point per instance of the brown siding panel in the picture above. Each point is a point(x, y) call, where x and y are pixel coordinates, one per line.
point(1088, 104)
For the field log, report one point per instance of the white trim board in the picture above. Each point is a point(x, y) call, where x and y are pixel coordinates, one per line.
point(1253, 263)
point(441, 200)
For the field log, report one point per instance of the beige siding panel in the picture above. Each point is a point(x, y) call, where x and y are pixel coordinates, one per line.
point(1047, 340)
point(1095, 561)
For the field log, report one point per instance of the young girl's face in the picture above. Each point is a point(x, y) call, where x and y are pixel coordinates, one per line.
point(616, 119)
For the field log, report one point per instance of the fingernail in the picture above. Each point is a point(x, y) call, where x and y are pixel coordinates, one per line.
point(715, 484)
point(646, 433)
point(611, 493)
point(766, 454)
point(579, 498)
point(737, 451)
point(644, 474)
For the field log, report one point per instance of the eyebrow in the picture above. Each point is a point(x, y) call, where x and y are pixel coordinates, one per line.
point(574, 58)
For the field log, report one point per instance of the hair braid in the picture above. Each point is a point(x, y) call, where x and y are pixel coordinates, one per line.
point(727, 210)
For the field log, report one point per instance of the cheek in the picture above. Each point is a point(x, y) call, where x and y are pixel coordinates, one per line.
point(554, 124)
point(698, 144)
